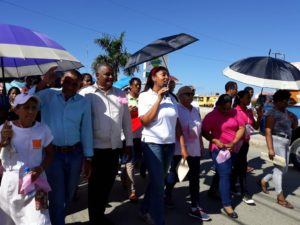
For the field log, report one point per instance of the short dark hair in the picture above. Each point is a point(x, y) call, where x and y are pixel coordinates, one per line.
point(248, 89)
point(223, 99)
point(230, 85)
point(281, 95)
point(74, 73)
point(13, 88)
point(99, 65)
point(135, 79)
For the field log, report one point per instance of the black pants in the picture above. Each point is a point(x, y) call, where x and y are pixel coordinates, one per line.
point(239, 170)
point(104, 169)
point(193, 175)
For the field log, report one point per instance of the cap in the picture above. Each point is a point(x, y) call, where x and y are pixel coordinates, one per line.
point(23, 98)
point(185, 89)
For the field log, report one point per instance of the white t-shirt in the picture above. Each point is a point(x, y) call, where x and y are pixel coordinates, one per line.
point(29, 144)
point(191, 127)
point(161, 130)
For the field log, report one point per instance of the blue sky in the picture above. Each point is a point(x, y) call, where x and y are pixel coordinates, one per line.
point(227, 30)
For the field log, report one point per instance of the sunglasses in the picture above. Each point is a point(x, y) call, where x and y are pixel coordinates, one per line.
point(189, 94)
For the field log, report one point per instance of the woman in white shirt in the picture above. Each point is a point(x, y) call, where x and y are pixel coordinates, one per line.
point(159, 115)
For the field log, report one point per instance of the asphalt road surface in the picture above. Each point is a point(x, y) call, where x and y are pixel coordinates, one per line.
point(265, 212)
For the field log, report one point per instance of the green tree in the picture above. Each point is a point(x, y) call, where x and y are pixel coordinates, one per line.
point(114, 53)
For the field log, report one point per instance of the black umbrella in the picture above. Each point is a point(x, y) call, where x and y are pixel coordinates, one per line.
point(160, 47)
point(266, 72)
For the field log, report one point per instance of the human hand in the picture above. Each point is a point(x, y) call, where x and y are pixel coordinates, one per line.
point(87, 168)
point(6, 133)
point(271, 154)
point(49, 77)
point(218, 143)
point(36, 172)
point(128, 151)
point(132, 108)
point(230, 146)
point(163, 91)
point(184, 154)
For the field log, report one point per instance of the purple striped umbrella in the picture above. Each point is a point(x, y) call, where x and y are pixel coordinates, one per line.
point(24, 52)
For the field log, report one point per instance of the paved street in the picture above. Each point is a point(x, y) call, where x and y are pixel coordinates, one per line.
point(266, 211)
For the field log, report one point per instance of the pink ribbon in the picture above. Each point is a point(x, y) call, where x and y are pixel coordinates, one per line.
point(122, 100)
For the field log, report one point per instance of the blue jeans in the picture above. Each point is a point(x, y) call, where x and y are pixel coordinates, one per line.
point(63, 175)
point(157, 159)
point(224, 171)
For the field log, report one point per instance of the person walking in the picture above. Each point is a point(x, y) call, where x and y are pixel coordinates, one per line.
point(190, 121)
point(242, 100)
point(279, 125)
point(224, 130)
point(159, 116)
point(128, 174)
point(68, 116)
point(110, 117)
point(30, 150)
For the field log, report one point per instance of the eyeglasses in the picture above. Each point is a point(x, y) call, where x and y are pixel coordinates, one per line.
point(189, 94)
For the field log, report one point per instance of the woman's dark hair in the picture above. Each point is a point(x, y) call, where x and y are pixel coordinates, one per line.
point(223, 99)
point(239, 96)
point(135, 79)
point(149, 83)
point(13, 88)
point(281, 95)
point(248, 89)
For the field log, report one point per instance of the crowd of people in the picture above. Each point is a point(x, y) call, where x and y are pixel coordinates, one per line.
point(56, 133)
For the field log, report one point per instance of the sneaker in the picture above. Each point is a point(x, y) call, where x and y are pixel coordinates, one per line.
point(248, 200)
point(199, 214)
point(169, 202)
point(147, 218)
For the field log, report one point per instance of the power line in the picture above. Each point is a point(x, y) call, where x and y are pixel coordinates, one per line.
point(105, 33)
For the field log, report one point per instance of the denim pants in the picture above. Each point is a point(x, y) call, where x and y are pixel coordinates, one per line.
point(63, 175)
point(224, 171)
point(157, 159)
point(193, 176)
point(281, 148)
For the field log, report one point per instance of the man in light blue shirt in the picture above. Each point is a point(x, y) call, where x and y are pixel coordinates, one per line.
point(68, 116)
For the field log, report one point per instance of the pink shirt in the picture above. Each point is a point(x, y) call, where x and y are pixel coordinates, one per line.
point(246, 115)
point(222, 127)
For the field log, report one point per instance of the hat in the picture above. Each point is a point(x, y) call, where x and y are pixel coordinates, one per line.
point(185, 89)
point(23, 98)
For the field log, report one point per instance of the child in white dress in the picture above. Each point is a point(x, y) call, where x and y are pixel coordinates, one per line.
point(25, 143)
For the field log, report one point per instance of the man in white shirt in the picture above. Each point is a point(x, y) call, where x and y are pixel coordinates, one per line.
point(110, 116)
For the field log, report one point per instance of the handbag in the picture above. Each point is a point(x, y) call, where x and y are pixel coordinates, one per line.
point(182, 169)
point(277, 160)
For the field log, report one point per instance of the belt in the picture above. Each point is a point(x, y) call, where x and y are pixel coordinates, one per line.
point(281, 135)
point(66, 149)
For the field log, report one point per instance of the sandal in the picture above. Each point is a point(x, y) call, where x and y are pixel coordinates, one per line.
point(285, 203)
point(264, 186)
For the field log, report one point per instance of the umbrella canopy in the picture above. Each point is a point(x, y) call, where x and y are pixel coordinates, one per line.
point(160, 47)
point(122, 83)
point(24, 52)
point(266, 72)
